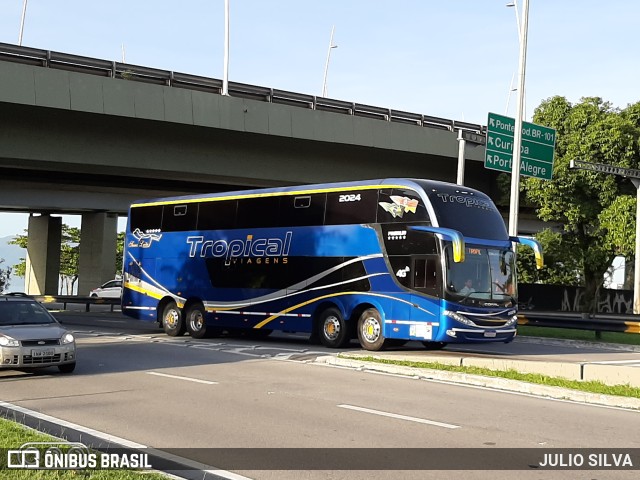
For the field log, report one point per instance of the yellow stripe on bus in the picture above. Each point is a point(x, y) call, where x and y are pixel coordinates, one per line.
point(269, 194)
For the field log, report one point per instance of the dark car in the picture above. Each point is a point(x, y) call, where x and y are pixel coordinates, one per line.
point(30, 337)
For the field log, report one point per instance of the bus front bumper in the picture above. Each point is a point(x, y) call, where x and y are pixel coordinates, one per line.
point(481, 335)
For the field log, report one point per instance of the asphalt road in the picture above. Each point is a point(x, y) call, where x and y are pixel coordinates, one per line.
point(134, 382)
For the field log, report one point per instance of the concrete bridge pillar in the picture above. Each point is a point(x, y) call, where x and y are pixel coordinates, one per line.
point(43, 255)
point(97, 262)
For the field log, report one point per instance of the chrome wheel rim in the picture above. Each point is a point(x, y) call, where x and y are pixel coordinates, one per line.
point(331, 327)
point(371, 329)
point(196, 320)
point(172, 318)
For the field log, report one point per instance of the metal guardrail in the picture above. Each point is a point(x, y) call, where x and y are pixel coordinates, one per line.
point(75, 299)
point(601, 322)
point(112, 69)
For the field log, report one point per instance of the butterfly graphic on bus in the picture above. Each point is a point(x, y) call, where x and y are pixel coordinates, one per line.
point(400, 206)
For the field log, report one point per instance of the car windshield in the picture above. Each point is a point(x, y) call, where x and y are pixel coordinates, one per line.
point(486, 273)
point(24, 313)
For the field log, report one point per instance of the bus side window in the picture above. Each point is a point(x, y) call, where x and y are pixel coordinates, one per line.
point(357, 206)
point(302, 210)
point(424, 273)
point(217, 215)
point(179, 218)
point(146, 218)
point(261, 212)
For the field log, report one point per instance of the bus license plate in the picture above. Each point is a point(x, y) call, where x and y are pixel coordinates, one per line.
point(42, 353)
point(490, 334)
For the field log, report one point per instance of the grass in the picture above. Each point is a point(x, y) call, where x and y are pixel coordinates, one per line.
point(584, 335)
point(12, 435)
point(590, 386)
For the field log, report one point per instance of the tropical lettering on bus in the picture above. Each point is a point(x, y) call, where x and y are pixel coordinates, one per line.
point(467, 200)
point(234, 249)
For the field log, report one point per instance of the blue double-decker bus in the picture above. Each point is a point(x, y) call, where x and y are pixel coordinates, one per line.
point(384, 261)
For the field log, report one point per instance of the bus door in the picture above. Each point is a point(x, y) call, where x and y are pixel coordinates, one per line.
point(426, 282)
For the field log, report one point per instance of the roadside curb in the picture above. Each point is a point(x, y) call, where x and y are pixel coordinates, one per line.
point(576, 343)
point(486, 382)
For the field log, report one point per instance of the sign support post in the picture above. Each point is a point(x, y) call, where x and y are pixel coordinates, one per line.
point(517, 141)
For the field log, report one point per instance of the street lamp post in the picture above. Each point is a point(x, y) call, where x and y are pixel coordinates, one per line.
point(24, 14)
point(225, 76)
point(326, 65)
point(517, 138)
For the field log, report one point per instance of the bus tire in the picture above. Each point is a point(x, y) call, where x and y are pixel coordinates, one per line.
point(172, 321)
point(332, 328)
point(370, 329)
point(195, 320)
point(434, 345)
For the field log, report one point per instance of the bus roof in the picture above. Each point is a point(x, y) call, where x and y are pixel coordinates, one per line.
point(412, 184)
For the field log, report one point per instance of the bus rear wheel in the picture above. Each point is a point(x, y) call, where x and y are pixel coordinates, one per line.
point(370, 330)
point(434, 345)
point(172, 321)
point(332, 328)
point(195, 320)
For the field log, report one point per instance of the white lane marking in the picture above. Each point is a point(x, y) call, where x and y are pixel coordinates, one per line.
point(401, 417)
point(196, 380)
point(120, 441)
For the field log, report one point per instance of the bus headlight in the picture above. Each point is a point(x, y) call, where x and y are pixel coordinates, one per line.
point(512, 321)
point(459, 318)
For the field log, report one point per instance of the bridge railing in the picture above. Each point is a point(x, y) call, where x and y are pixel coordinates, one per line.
point(600, 322)
point(108, 68)
point(64, 300)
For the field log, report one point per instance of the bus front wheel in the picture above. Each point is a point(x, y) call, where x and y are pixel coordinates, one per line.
point(370, 330)
point(172, 321)
point(332, 328)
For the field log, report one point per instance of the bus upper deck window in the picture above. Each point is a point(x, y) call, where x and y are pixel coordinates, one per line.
point(302, 202)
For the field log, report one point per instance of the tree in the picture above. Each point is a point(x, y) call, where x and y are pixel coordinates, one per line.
point(5, 275)
point(119, 253)
point(69, 256)
point(592, 207)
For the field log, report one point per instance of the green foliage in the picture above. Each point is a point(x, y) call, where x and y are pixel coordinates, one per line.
point(20, 269)
point(119, 253)
point(5, 275)
point(562, 261)
point(595, 209)
point(69, 255)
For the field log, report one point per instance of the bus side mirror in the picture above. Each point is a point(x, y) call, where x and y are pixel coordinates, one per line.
point(457, 240)
point(535, 245)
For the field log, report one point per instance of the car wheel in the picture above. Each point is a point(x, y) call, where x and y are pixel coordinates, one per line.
point(434, 345)
point(370, 330)
point(332, 328)
point(67, 367)
point(172, 321)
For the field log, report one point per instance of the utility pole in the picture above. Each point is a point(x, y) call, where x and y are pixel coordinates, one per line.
point(517, 139)
point(634, 175)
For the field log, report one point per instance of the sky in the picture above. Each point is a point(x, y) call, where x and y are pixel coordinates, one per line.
point(456, 59)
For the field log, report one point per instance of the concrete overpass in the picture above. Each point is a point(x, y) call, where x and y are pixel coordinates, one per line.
point(88, 136)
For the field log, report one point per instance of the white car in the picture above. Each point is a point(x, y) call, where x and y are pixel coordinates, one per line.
point(111, 289)
point(30, 337)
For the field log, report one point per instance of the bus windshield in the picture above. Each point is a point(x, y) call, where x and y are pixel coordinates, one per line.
point(486, 273)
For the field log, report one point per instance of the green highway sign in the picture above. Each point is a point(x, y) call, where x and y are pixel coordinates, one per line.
point(536, 152)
